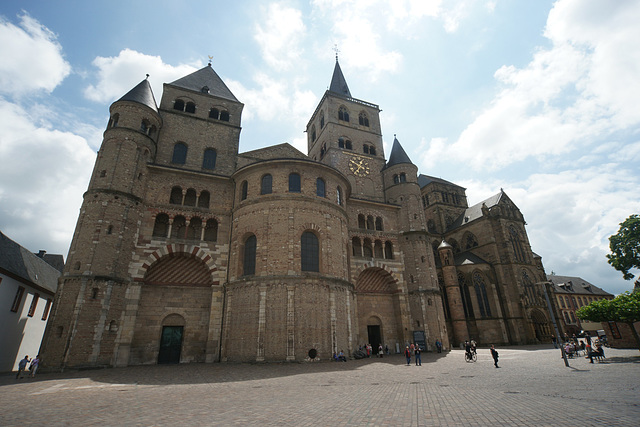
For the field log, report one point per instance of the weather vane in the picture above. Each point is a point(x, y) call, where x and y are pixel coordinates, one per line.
point(210, 58)
point(335, 49)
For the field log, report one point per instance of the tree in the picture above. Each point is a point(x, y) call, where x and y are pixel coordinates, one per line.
point(624, 308)
point(625, 247)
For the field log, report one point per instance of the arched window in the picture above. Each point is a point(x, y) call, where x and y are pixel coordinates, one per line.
point(244, 190)
point(339, 196)
point(370, 223)
point(343, 114)
point(388, 250)
point(209, 160)
point(357, 247)
point(190, 107)
point(469, 241)
point(320, 188)
point(379, 224)
point(224, 116)
point(194, 230)
point(365, 149)
point(377, 249)
point(294, 183)
point(396, 179)
point(265, 185)
point(403, 177)
point(367, 250)
point(465, 296)
point(178, 227)
point(178, 104)
point(372, 150)
point(362, 223)
point(161, 226)
point(481, 295)
point(313, 133)
point(340, 142)
point(190, 197)
point(249, 258)
point(516, 244)
point(179, 154)
point(144, 126)
point(321, 119)
point(214, 113)
point(348, 145)
point(176, 196)
point(309, 252)
point(203, 200)
point(113, 121)
point(211, 230)
point(363, 120)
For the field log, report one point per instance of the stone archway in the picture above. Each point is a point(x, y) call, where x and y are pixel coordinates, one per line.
point(540, 325)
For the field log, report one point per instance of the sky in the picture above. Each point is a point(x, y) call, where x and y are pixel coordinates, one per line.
point(534, 97)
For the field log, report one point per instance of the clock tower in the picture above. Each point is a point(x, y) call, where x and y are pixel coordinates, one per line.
point(345, 133)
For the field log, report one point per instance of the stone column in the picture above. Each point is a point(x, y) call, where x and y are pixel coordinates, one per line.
point(450, 275)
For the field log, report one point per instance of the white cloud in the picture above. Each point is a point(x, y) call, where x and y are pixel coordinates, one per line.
point(42, 180)
point(119, 74)
point(31, 59)
point(280, 36)
point(583, 88)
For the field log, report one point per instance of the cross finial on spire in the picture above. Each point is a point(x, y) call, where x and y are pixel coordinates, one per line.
point(210, 58)
point(335, 49)
point(147, 77)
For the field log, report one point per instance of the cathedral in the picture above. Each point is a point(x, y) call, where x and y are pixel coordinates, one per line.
point(187, 250)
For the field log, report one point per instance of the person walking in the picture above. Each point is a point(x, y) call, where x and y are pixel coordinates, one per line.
point(33, 368)
point(494, 354)
point(418, 358)
point(439, 345)
point(407, 354)
point(22, 365)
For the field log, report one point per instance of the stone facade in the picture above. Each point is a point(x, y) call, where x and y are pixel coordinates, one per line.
point(186, 250)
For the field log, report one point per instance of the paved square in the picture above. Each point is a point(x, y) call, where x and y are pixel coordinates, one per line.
point(532, 387)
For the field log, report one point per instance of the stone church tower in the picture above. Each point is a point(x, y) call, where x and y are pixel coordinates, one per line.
point(187, 250)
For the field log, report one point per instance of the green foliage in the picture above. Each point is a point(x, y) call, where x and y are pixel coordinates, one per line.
point(623, 308)
point(625, 247)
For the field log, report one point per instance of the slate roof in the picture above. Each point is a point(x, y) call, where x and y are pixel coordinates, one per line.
point(474, 212)
point(205, 77)
point(338, 82)
point(426, 180)
point(22, 264)
point(398, 155)
point(141, 94)
point(463, 258)
point(574, 285)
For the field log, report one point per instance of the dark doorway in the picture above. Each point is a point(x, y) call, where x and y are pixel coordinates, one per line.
point(170, 344)
point(374, 337)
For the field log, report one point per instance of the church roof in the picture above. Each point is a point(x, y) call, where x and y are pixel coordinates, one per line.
point(141, 94)
point(474, 212)
point(338, 82)
point(398, 155)
point(26, 266)
point(463, 258)
point(203, 79)
point(426, 180)
point(574, 285)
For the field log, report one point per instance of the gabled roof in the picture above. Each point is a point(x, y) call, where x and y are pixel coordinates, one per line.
point(474, 212)
point(22, 264)
point(463, 258)
point(426, 180)
point(338, 82)
point(280, 151)
point(141, 94)
point(398, 155)
point(203, 79)
point(574, 285)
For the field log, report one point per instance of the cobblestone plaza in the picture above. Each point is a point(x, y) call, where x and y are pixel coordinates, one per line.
point(532, 387)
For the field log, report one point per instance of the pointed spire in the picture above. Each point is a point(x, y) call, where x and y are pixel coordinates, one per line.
point(207, 78)
point(398, 155)
point(141, 94)
point(338, 82)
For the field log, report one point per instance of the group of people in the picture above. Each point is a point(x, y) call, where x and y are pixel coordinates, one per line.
point(414, 350)
point(339, 357)
point(33, 367)
point(572, 347)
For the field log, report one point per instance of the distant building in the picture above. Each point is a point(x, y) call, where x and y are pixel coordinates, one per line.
point(572, 293)
point(187, 250)
point(27, 287)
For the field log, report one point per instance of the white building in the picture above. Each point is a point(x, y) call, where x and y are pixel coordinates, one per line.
point(27, 287)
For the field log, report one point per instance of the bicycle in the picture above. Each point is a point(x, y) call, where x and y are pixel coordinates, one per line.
point(470, 356)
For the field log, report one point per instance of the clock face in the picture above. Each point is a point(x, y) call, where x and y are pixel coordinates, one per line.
point(359, 166)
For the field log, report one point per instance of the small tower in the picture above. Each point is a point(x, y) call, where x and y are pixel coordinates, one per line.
point(452, 288)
